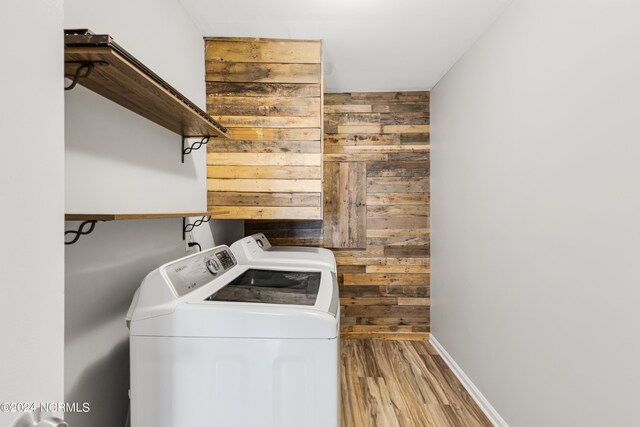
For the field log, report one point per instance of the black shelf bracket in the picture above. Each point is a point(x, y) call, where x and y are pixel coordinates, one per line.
point(83, 71)
point(186, 228)
point(195, 146)
point(80, 231)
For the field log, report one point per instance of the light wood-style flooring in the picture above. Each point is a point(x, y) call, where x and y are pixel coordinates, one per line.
point(402, 384)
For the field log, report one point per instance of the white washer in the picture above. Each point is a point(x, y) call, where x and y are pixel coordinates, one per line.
point(220, 344)
point(256, 249)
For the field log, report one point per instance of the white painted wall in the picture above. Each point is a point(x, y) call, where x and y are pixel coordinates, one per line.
point(31, 218)
point(367, 45)
point(535, 196)
point(117, 161)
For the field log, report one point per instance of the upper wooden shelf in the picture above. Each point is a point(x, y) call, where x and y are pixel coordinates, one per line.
point(128, 216)
point(107, 69)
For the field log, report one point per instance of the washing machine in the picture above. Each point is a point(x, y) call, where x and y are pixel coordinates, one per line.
point(256, 249)
point(219, 343)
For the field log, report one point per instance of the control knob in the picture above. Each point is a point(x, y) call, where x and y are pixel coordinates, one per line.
point(212, 266)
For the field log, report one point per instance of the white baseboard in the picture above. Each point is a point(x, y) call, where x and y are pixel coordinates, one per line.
point(475, 393)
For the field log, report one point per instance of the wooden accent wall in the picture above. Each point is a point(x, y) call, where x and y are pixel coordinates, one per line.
point(268, 93)
point(384, 284)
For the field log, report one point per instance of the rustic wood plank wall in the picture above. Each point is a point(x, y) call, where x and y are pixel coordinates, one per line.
point(268, 93)
point(384, 283)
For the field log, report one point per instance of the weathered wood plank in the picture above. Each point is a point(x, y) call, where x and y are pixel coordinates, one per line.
point(398, 241)
point(383, 129)
point(381, 260)
point(265, 185)
point(231, 198)
point(264, 106)
point(333, 109)
point(398, 210)
point(399, 168)
point(397, 198)
point(272, 134)
point(275, 227)
point(398, 269)
point(346, 215)
point(346, 149)
point(224, 146)
point(253, 89)
point(297, 241)
point(397, 185)
point(363, 301)
point(415, 138)
point(360, 139)
point(387, 312)
point(371, 98)
point(351, 119)
point(415, 291)
point(267, 212)
point(262, 50)
point(410, 107)
point(263, 159)
point(369, 251)
point(377, 129)
point(385, 279)
point(268, 121)
point(265, 172)
point(398, 222)
point(404, 118)
point(355, 157)
point(243, 72)
point(390, 232)
point(331, 205)
point(405, 128)
point(407, 251)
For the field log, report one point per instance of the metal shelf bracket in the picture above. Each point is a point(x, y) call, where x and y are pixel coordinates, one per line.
point(80, 231)
point(83, 71)
point(187, 227)
point(195, 146)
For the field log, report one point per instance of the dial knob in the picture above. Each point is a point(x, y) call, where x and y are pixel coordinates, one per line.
point(212, 266)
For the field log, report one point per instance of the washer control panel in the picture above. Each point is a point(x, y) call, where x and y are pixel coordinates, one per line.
point(226, 259)
point(192, 272)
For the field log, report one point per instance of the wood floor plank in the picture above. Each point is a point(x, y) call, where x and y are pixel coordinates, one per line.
point(402, 384)
point(380, 404)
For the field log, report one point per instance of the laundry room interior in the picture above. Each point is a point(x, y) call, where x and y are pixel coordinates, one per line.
point(319, 213)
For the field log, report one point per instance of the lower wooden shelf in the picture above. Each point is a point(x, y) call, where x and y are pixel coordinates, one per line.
point(89, 221)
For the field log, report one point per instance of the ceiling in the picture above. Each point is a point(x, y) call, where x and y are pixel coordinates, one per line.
point(368, 45)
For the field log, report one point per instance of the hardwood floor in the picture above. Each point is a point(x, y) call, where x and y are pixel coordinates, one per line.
point(402, 384)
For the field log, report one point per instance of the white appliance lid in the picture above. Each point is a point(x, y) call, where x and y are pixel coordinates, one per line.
point(271, 287)
point(256, 249)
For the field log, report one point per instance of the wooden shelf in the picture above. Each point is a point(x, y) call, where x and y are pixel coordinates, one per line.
point(89, 221)
point(115, 74)
point(130, 216)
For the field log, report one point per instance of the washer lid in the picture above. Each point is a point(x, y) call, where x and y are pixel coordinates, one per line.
point(257, 250)
point(271, 287)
